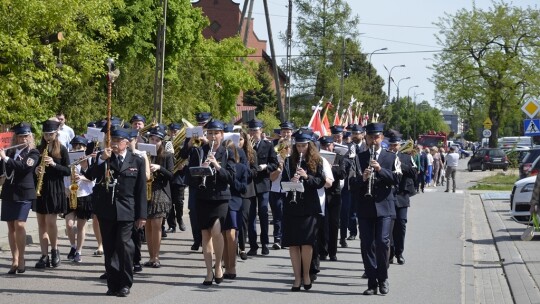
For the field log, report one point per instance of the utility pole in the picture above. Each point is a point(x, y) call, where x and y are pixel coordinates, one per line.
point(160, 65)
point(289, 55)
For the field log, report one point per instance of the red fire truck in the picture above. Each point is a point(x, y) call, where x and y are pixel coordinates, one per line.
point(433, 139)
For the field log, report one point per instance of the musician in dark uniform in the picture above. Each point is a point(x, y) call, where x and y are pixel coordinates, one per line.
point(178, 187)
point(119, 206)
point(267, 162)
point(301, 210)
point(286, 129)
point(213, 195)
point(53, 200)
point(337, 134)
point(356, 146)
point(137, 122)
point(192, 150)
point(333, 198)
point(17, 166)
point(404, 191)
point(374, 197)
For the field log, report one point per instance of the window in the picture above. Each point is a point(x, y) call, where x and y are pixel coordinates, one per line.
point(215, 26)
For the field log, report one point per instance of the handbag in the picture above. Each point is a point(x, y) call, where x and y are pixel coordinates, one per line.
point(533, 226)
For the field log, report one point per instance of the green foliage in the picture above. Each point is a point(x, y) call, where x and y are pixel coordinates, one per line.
point(269, 119)
point(405, 116)
point(490, 65)
point(265, 97)
point(496, 182)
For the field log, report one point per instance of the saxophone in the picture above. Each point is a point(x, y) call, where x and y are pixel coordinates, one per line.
point(73, 188)
point(42, 165)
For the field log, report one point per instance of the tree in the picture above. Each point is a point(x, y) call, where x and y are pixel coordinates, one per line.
point(408, 118)
point(265, 96)
point(489, 63)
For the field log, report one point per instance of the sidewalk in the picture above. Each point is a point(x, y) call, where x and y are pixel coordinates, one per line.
point(518, 259)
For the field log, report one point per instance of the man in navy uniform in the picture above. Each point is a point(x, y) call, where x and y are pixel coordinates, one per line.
point(119, 207)
point(137, 122)
point(404, 190)
point(267, 162)
point(377, 173)
point(177, 187)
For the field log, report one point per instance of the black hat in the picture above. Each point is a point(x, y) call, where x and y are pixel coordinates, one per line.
point(50, 126)
point(91, 124)
point(79, 140)
point(228, 128)
point(157, 131)
point(114, 127)
point(302, 137)
point(255, 124)
point(356, 128)
point(286, 125)
point(277, 131)
point(101, 123)
point(22, 129)
point(347, 134)
point(325, 140)
point(203, 117)
point(137, 117)
point(393, 136)
point(375, 128)
point(120, 133)
point(336, 129)
point(175, 126)
point(215, 124)
point(133, 133)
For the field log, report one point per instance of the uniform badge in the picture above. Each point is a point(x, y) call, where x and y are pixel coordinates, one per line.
point(133, 169)
point(30, 162)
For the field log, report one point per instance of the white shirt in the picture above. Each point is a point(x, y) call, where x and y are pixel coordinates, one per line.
point(65, 135)
point(452, 159)
point(85, 186)
point(327, 172)
point(429, 159)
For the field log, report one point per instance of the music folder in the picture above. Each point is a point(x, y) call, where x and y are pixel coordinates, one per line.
point(329, 156)
point(292, 186)
point(201, 171)
point(150, 148)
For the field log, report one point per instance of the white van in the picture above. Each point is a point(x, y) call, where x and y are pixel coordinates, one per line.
point(510, 142)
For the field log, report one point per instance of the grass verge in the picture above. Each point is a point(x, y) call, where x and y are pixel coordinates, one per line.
point(498, 182)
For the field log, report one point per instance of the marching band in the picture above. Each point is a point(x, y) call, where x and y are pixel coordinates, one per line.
point(316, 188)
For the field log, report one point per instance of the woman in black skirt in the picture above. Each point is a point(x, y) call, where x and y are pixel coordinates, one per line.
point(53, 165)
point(300, 210)
point(213, 195)
point(78, 216)
point(161, 167)
point(17, 167)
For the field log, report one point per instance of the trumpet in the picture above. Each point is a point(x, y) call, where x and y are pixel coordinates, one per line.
point(42, 165)
point(202, 185)
point(293, 200)
point(372, 174)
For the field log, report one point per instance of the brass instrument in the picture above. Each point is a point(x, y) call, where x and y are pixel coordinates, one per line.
point(73, 188)
point(372, 174)
point(146, 129)
point(202, 185)
point(293, 200)
point(407, 147)
point(177, 142)
point(42, 165)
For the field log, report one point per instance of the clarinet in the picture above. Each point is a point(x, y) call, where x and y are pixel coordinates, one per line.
point(293, 200)
point(372, 174)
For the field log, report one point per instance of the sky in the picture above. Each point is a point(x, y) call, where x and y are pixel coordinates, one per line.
point(405, 27)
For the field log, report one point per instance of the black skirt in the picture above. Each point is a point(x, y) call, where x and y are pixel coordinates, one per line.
point(299, 230)
point(84, 208)
point(208, 211)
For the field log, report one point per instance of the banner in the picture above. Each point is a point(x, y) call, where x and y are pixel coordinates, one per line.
point(5, 139)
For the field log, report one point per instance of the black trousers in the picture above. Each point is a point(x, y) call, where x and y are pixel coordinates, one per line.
point(375, 244)
point(333, 212)
point(315, 258)
point(398, 232)
point(177, 208)
point(119, 249)
point(137, 235)
point(243, 224)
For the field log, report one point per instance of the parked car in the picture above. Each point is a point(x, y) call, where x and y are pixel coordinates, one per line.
point(520, 199)
point(527, 161)
point(488, 158)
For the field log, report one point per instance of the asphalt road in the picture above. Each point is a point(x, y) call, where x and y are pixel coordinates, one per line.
point(440, 251)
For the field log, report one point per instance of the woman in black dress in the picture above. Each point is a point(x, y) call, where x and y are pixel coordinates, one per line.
point(250, 160)
point(300, 210)
point(161, 167)
point(53, 165)
point(213, 195)
point(17, 166)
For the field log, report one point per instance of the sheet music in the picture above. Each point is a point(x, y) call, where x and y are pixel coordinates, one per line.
point(73, 156)
point(96, 133)
point(195, 131)
point(235, 137)
point(292, 186)
point(150, 148)
point(330, 156)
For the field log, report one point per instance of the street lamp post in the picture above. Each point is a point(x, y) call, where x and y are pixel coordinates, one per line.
point(419, 94)
point(397, 98)
point(408, 91)
point(369, 60)
point(390, 76)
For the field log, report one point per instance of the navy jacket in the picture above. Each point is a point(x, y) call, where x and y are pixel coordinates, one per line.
point(266, 155)
point(405, 188)
point(308, 202)
point(21, 186)
point(217, 186)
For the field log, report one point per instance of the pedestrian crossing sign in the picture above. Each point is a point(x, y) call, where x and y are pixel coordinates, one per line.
point(531, 127)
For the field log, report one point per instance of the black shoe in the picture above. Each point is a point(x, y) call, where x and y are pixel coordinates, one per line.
point(454, 190)
point(276, 246)
point(123, 292)
point(218, 280)
point(364, 275)
point(243, 255)
point(295, 288)
point(163, 233)
point(208, 283)
point(43, 262)
point(446, 190)
point(391, 260)
point(370, 292)
point(384, 287)
point(195, 246)
point(333, 258)
point(308, 286)
point(103, 276)
point(12, 270)
point(55, 258)
point(137, 267)
point(171, 230)
point(343, 243)
point(351, 238)
point(182, 226)
point(71, 254)
point(111, 292)
point(265, 250)
point(323, 257)
point(252, 252)
point(400, 260)
point(313, 277)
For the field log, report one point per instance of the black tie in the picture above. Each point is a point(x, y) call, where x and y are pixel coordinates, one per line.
point(120, 159)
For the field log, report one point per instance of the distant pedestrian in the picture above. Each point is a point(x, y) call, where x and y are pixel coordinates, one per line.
point(452, 160)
